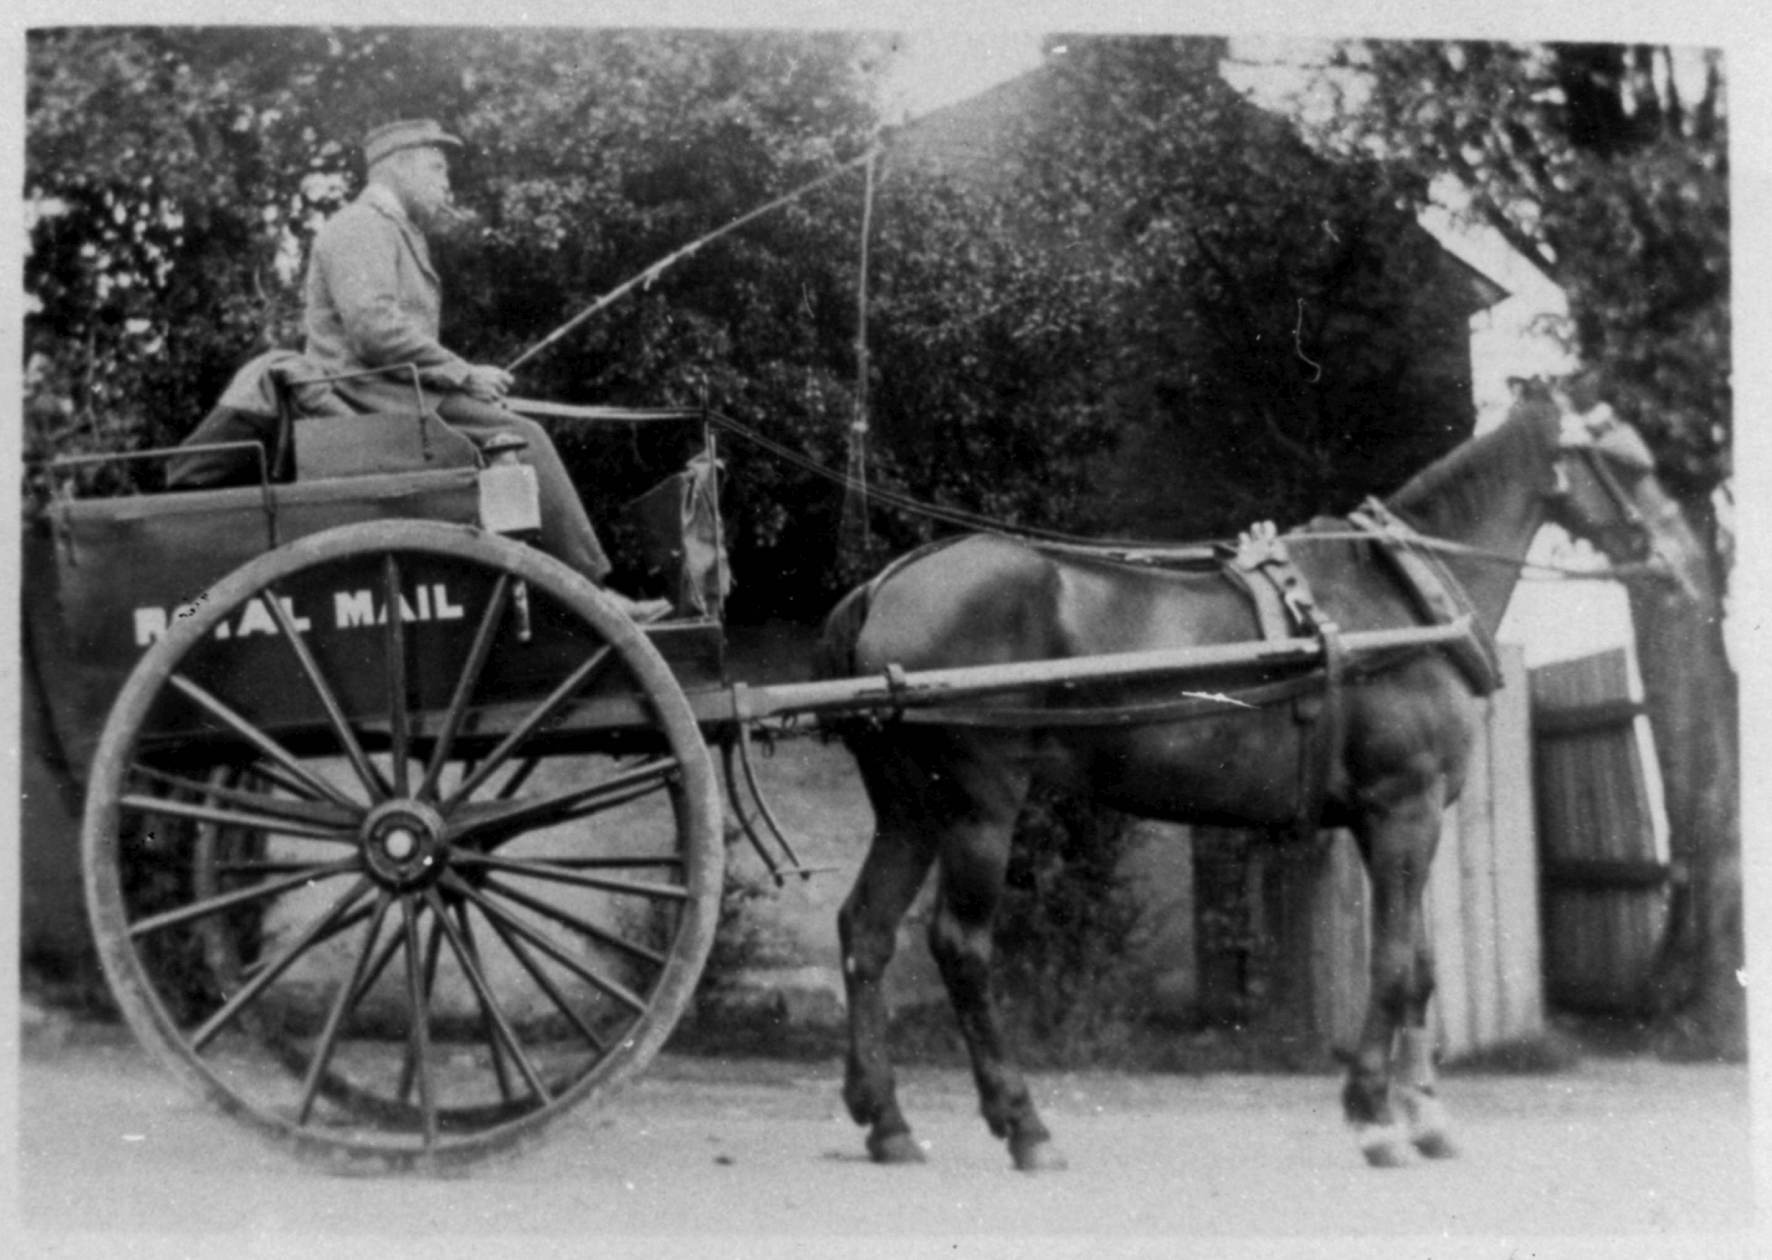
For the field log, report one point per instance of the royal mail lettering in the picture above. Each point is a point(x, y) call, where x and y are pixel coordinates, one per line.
point(429, 601)
point(150, 622)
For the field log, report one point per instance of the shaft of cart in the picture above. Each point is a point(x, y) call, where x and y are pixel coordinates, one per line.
point(894, 689)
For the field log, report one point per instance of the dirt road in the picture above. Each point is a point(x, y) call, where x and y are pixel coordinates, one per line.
point(706, 1157)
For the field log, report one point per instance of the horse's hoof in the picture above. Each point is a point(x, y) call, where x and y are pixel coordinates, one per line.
point(1038, 1156)
point(1383, 1145)
point(1429, 1125)
point(895, 1148)
point(1435, 1145)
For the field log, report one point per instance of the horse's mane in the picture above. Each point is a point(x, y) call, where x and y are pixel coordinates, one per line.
point(1449, 494)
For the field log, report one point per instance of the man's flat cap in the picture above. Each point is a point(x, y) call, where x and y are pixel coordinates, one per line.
point(408, 133)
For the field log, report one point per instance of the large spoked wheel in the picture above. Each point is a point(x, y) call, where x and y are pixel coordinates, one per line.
point(400, 842)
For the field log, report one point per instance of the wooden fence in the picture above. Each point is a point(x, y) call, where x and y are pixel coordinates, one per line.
point(1605, 898)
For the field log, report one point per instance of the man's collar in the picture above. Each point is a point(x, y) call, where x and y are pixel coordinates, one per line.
point(382, 198)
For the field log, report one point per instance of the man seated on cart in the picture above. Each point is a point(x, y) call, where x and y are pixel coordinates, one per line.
point(372, 300)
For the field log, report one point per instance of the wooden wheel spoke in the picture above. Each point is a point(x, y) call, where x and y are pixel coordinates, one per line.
point(399, 719)
point(371, 779)
point(484, 635)
point(292, 952)
point(466, 926)
point(196, 811)
point(384, 955)
point(560, 873)
point(240, 897)
point(409, 1066)
point(584, 927)
point(302, 811)
point(344, 924)
point(626, 863)
point(574, 803)
point(259, 866)
point(510, 786)
point(277, 778)
point(497, 914)
point(561, 1002)
point(342, 1005)
point(488, 1003)
point(267, 746)
point(420, 1033)
point(507, 747)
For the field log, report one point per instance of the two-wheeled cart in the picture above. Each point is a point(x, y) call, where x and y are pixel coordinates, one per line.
point(401, 840)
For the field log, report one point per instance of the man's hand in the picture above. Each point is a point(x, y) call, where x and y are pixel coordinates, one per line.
point(488, 382)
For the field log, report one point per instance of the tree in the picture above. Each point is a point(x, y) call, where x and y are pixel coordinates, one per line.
point(1277, 314)
point(177, 177)
point(1606, 166)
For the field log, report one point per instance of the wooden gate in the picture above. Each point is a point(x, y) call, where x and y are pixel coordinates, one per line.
point(1605, 887)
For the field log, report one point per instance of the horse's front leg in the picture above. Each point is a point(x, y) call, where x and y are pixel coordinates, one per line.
point(1430, 1128)
point(867, 927)
point(1398, 841)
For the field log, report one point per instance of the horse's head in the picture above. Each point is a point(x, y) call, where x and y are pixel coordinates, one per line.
point(1606, 491)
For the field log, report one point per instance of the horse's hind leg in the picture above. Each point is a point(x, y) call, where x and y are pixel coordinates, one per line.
point(867, 927)
point(974, 858)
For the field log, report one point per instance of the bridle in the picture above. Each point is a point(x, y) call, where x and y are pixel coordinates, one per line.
point(1602, 442)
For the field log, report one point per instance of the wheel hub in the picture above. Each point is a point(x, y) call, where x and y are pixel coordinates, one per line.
point(403, 843)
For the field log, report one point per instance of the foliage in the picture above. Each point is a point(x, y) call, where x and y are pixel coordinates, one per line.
point(1063, 931)
point(1272, 309)
point(984, 360)
point(1245, 293)
point(1606, 166)
point(177, 175)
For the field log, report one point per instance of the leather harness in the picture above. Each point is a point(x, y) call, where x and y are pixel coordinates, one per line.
point(1260, 565)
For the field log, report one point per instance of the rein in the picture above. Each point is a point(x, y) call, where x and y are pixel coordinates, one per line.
point(1531, 569)
point(1130, 551)
point(1144, 552)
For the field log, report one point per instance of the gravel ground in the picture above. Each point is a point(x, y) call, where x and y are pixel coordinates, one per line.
point(1618, 1156)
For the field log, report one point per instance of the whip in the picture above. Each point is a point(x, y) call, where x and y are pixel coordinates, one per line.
point(646, 277)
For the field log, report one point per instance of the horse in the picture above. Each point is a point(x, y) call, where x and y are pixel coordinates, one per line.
point(946, 794)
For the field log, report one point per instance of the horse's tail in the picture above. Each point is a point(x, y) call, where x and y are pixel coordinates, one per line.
point(834, 654)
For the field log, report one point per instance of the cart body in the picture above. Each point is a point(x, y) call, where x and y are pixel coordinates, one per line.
point(105, 577)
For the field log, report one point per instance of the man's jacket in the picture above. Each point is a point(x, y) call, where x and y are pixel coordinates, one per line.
point(373, 301)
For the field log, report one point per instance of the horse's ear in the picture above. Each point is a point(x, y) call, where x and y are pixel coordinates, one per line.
point(1619, 441)
point(1572, 431)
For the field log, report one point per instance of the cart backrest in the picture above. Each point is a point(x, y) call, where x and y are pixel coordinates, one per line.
point(378, 442)
point(103, 577)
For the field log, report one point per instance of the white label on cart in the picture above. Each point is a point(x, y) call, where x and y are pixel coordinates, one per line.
point(427, 602)
point(151, 621)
